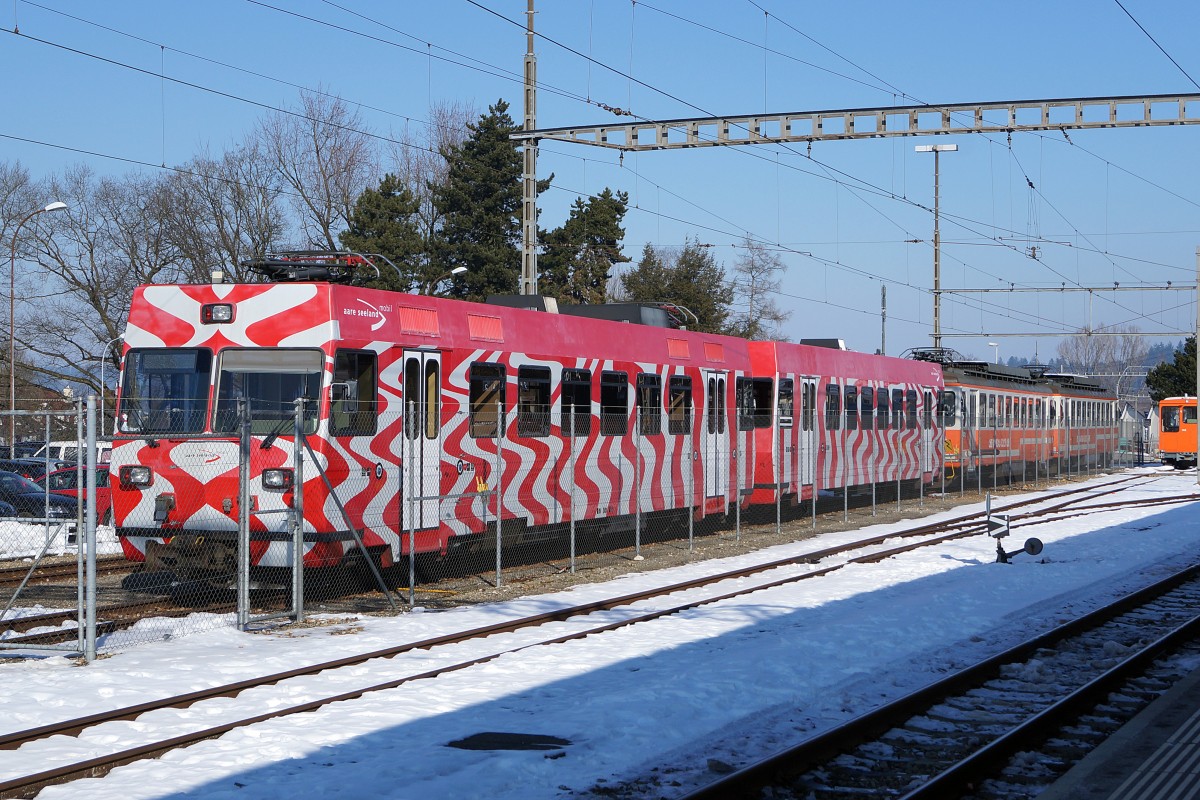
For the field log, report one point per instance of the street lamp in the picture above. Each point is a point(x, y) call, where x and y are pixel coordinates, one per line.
point(996, 350)
point(937, 150)
point(444, 275)
point(103, 362)
point(12, 326)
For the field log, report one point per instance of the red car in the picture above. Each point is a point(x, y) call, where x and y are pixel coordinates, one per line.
point(66, 482)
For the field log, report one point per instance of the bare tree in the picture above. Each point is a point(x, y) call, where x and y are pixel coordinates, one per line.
point(89, 260)
point(419, 159)
point(324, 155)
point(221, 210)
point(757, 276)
point(1106, 357)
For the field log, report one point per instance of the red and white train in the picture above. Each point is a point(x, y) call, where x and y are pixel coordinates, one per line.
point(429, 417)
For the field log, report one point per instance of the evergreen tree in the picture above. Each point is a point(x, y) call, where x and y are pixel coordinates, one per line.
point(1177, 377)
point(480, 207)
point(691, 278)
point(580, 255)
point(384, 221)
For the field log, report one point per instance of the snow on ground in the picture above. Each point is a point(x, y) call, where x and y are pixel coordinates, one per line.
point(744, 674)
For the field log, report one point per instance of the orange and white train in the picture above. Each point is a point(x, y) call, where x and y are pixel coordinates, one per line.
point(1020, 421)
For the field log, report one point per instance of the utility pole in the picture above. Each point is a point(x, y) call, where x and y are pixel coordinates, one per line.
point(529, 178)
point(883, 319)
point(1198, 357)
point(937, 150)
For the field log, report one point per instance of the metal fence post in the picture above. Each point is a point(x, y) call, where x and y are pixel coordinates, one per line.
point(243, 545)
point(691, 490)
point(408, 459)
point(573, 461)
point(637, 485)
point(89, 652)
point(499, 487)
point(298, 514)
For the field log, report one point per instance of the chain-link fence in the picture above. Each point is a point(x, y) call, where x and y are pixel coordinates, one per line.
point(280, 514)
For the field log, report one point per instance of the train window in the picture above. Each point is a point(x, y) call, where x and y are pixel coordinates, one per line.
point(614, 403)
point(533, 401)
point(1170, 419)
point(786, 402)
point(412, 395)
point(433, 422)
point(946, 408)
point(833, 407)
point(1189, 414)
point(649, 400)
point(487, 400)
point(851, 408)
point(882, 409)
point(352, 398)
point(910, 408)
point(897, 409)
point(710, 405)
point(721, 404)
point(679, 405)
point(867, 400)
point(165, 391)
point(576, 402)
point(754, 398)
point(927, 410)
point(810, 406)
point(972, 418)
point(1009, 420)
point(271, 379)
point(991, 411)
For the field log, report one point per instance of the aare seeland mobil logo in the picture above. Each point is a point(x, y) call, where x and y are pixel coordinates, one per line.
point(370, 312)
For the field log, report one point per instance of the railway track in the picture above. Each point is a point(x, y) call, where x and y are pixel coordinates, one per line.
point(960, 737)
point(388, 670)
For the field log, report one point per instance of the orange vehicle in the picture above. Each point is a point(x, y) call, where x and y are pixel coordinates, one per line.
point(1177, 438)
point(1013, 421)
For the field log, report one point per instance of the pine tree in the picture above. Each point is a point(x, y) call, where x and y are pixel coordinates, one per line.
point(1177, 377)
point(580, 255)
point(384, 222)
point(480, 207)
point(691, 278)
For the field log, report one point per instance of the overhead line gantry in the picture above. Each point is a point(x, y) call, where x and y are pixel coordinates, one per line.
point(799, 127)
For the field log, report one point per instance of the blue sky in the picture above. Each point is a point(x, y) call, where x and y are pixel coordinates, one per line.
point(1108, 206)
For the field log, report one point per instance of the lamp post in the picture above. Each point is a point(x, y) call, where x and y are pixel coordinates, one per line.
point(103, 363)
point(456, 271)
point(937, 150)
point(12, 326)
point(995, 350)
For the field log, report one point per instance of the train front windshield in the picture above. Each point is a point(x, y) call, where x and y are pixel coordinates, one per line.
point(166, 391)
point(270, 380)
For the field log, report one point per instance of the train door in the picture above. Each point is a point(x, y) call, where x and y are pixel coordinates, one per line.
point(785, 435)
point(715, 433)
point(929, 423)
point(807, 455)
point(423, 439)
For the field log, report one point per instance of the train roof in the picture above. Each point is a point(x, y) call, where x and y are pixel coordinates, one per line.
point(319, 314)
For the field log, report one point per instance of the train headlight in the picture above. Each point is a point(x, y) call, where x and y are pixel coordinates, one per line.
point(277, 480)
point(136, 476)
point(216, 313)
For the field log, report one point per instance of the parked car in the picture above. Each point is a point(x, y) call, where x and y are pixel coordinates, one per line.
point(66, 482)
point(31, 500)
point(69, 451)
point(32, 468)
